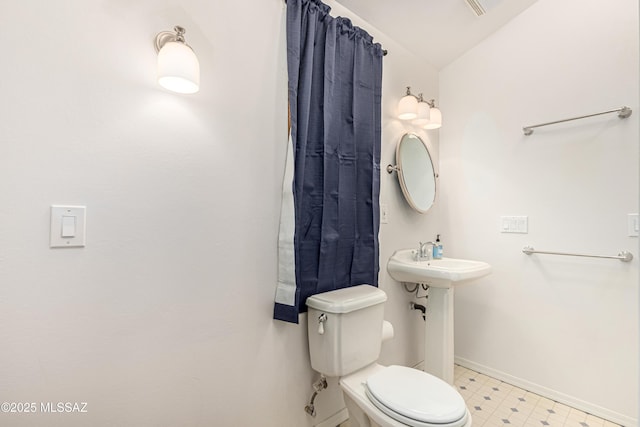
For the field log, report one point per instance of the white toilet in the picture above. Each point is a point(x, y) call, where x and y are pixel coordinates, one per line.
point(345, 335)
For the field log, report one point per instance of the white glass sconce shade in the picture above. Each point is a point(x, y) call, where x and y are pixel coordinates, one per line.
point(178, 66)
point(408, 106)
point(435, 119)
point(422, 117)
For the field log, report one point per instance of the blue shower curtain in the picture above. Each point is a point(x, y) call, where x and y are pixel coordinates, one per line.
point(335, 86)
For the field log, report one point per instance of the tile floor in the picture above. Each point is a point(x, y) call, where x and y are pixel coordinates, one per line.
point(494, 403)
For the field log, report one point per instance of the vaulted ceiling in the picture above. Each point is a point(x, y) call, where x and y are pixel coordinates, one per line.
point(437, 30)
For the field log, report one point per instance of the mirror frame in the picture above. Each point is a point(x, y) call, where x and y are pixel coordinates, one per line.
point(401, 175)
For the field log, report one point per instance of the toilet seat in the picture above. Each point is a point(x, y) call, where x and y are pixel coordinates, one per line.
point(416, 398)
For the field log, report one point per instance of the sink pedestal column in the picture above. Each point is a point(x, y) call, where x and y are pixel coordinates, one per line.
point(440, 275)
point(438, 339)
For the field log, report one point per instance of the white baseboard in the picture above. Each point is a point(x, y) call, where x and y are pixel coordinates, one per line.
point(335, 419)
point(551, 394)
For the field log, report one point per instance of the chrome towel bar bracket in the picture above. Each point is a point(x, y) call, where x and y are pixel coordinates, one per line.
point(623, 256)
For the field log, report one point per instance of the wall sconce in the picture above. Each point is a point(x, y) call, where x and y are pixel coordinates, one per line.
point(178, 66)
point(422, 113)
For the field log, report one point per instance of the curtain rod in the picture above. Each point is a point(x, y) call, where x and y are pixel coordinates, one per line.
point(384, 51)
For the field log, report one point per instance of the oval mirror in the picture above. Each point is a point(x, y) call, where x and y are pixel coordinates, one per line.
point(415, 172)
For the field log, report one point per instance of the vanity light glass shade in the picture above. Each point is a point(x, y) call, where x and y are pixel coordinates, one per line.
point(422, 118)
point(435, 119)
point(178, 68)
point(408, 108)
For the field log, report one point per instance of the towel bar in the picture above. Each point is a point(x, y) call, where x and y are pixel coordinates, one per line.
point(623, 256)
point(623, 113)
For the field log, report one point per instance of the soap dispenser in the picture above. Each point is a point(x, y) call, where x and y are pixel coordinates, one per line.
point(437, 249)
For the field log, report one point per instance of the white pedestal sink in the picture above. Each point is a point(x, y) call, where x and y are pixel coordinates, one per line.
point(440, 275)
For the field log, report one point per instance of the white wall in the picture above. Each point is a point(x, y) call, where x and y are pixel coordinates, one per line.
point(165, 318)
point(567, 327)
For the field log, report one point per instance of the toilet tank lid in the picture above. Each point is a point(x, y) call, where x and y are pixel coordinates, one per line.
point(347, 299)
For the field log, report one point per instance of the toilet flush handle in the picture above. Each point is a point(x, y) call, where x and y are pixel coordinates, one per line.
point(321, 319)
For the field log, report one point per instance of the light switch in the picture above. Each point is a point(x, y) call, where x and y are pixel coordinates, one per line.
point(384, 213)
point(514, 224)
point(67, 226)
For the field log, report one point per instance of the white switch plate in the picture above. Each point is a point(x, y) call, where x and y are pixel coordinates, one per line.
point(67, 226)
point(633, 225)
point(384, 213)
point(514, 224)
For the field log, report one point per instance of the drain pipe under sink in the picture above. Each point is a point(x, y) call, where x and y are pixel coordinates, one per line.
point(420, 307)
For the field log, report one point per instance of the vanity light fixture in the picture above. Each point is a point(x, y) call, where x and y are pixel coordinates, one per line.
point(178, 66)
point(422, 113)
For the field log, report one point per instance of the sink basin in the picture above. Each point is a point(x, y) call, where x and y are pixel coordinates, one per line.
point(439, 273)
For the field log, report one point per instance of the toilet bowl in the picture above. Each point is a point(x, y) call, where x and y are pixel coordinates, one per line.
point(397, 396)
point(345, 335)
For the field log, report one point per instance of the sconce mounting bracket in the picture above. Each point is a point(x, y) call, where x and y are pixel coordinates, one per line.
point(164, 37)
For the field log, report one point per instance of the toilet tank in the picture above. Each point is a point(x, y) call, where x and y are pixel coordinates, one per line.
point(345, 329)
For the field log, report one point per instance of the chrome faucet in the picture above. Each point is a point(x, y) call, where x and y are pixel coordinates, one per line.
point(423, 253)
